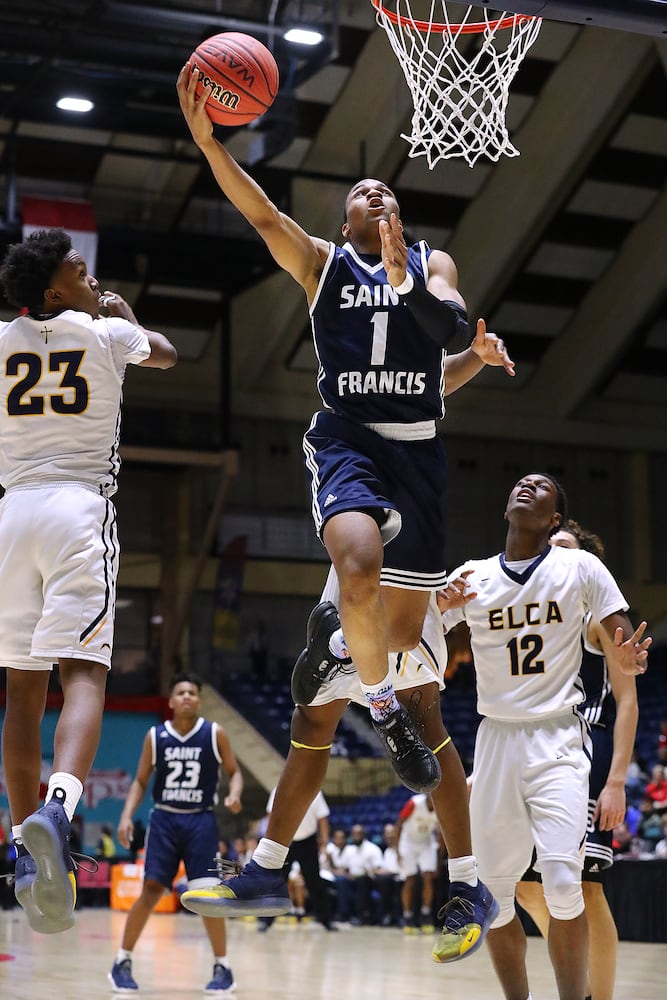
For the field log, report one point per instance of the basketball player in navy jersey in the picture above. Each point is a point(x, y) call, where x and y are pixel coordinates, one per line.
point(63, 366)
point(524, 608)
point(185, 755)
point(612, 712)
point(377, 468)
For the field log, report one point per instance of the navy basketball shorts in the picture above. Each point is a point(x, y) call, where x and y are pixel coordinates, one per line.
point(599, 853)
point(192, 837)
point(353, 468)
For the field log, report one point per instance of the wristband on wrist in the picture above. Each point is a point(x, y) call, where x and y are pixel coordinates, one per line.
point(406, 285)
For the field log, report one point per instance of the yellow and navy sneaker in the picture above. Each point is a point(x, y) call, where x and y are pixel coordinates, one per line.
point(24, 877)
point(255, 891)
point(467, 917)
point(45, 836)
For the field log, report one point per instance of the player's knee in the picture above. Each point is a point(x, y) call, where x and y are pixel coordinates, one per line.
point(563, 894)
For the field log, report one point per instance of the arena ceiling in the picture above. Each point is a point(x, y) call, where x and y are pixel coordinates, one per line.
point(563, 249)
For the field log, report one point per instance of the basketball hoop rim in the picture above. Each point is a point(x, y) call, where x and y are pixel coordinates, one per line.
point(475, 28)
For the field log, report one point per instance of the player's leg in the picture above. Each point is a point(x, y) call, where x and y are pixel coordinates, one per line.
point(502, 848)
point(354, 476)
point(223, 978)
point(22, 760)
point(557, 799)
point(160, 866)
point(78, 562)
point(408, 896)
point(507, 947)
point(307, 854)
point(426, 916)
point(261, 889)
point(603, 945)
point(46, 832)
point(530, 896)
point(21, 740)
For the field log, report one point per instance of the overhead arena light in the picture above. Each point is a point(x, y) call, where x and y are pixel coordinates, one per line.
point(79, 104)
point(303, 36)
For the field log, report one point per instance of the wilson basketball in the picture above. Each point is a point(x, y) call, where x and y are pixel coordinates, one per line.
point(239, 74)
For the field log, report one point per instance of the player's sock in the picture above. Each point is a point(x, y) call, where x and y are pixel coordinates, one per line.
point(16, 835)
point(381, 699)
point(221, 960)
point(72, 788)
point(123, 955)
point(337, 645)
point(463, 870)
point(270, 854)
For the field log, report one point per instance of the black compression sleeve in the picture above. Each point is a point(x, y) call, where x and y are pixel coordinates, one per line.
point(441, 320)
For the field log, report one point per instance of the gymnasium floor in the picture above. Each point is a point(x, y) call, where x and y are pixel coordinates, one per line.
point(172, 962)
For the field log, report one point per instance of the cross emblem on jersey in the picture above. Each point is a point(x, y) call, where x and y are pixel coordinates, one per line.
point(46, 333)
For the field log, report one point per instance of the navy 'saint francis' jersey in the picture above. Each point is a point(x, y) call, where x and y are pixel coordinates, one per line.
point(186, 767)
point(376, 364)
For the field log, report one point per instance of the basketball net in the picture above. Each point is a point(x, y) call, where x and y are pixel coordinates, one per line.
point(459, 74)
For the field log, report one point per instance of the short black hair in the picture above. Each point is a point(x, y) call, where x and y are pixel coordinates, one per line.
point(28, 267)
point(185, 678)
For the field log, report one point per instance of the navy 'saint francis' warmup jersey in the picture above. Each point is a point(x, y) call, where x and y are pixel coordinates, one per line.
point(186, 767)
point(376, 364)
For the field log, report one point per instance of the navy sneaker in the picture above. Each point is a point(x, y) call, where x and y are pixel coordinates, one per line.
point(45, 836)
point(25, 873)
point(414, 763)
point(316, 663)
point(222, 982)
point(467, 917)
point(256, 891)
point(121, 977)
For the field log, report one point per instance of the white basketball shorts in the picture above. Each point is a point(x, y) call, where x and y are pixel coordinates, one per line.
point(416, 856)
point(424, 665)
point(58, 570)
point(529, 786)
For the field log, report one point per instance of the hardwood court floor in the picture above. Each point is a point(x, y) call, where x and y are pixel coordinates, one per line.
point(172, 962)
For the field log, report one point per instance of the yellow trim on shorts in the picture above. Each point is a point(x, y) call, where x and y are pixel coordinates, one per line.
point(442, 745)
point(304, 746)
point(93, 634)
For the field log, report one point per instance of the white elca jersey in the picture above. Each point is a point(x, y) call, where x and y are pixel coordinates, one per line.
point(525, 629)
point(62, 383)
point(421, 823)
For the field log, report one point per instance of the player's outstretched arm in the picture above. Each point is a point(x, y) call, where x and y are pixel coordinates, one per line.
point(125, 829)
point(611, 805)
point(292, 248)
point(163, 353)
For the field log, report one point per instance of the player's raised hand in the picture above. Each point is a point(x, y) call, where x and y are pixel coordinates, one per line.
point(394, 250)
point(456, 593)
point(632, 654)
point(193, 108)
point(491, 349)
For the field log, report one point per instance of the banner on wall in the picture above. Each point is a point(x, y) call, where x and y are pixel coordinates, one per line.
point(227, 599)
point(75, 217)
point(111, 775)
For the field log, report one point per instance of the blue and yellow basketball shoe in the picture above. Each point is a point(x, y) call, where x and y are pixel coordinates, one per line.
point(467, 917)
point(45, 881)
point(255, 891)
